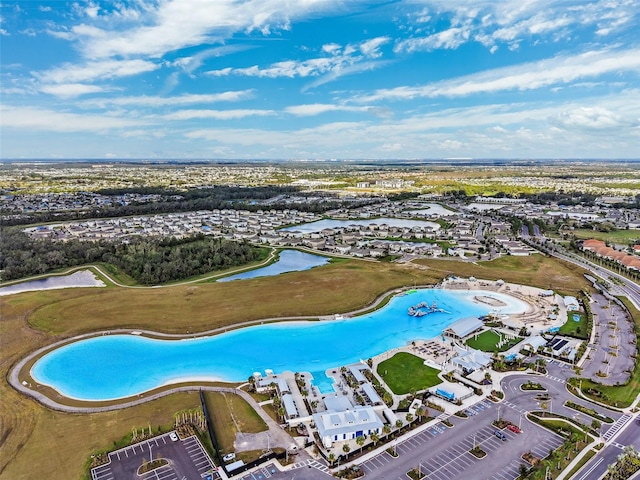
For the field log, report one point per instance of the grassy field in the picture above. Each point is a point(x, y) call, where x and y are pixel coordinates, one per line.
point(230, 415)
point(536, 270)
point(193, 308)
point(28, 431)
point(488, 342)
point(619, 236)
point(573, 328)
point(404, 373)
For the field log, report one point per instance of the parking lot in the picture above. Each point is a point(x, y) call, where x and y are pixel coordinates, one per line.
point(443, 453)
point(307, 470)
point(188, 460)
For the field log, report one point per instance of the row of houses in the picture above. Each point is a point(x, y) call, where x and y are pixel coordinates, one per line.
point(600, 248)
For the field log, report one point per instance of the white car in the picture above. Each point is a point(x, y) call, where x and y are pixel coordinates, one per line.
point(228, 457)
point(173, 436)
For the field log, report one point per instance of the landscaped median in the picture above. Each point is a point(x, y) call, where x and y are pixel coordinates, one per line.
point(588, 411)
point(576, 439)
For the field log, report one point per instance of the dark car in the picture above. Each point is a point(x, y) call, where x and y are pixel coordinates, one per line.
point(500, 435)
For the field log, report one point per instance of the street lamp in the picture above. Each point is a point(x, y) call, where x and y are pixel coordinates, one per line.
point(520, 423)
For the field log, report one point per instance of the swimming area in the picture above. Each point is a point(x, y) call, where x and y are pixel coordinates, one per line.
point(288, 261)
point(115, 366)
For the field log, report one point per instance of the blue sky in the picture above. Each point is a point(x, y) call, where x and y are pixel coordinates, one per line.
point(318, 79)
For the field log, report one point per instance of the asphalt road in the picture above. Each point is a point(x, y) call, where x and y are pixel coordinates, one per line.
point(555, 384)
point(597, 466)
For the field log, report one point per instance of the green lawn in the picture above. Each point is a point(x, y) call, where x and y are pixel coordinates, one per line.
point(231, 414)
point(404, 373)
point(488, 340)
point(618, 236)
point(573, 328)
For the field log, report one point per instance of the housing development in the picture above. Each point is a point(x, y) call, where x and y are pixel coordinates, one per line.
point(385, 331)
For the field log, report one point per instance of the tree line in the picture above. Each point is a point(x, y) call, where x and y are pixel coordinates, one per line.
point(147, 260)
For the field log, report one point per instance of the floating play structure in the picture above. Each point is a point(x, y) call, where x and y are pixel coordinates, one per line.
point(423, 308)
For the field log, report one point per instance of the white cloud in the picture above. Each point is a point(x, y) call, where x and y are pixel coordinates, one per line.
point(348, 70)
point(100, 70)
point(190, 64)
point(371, 48)
point(528, 76)
point(512, 21)
point(319, 108)
point(354, 58)
point(331, 48)
point(593, 118)
point(527, 129)
point(70, 90)
point(187, 99)
point(217, 114)
point(48, 120)
point(449, 39)
point(174, 24)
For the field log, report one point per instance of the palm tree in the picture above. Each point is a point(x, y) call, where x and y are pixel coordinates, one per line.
point(409, 418)
point(523, 470)
point(331, 458)
point(398, 424)
point(420, 413)
point(360, 441)
point(346, 448)
point(375, 438)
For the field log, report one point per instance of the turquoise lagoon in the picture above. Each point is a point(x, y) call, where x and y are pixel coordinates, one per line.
point(116, 366)
point(288, 261)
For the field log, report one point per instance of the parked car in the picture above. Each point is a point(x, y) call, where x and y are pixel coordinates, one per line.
point(513, 428)
point(500, 435)
point(173, 436)
point(229, 457)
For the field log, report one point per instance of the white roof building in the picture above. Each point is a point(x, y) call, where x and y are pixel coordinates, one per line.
point(347, 424)
point(290, 406)
point(571, 303)
point(370, 392)
point(469, 359)
point(463, 327)
point(533, 343)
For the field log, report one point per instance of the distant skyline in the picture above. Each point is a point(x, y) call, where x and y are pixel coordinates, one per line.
point(319, 79)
